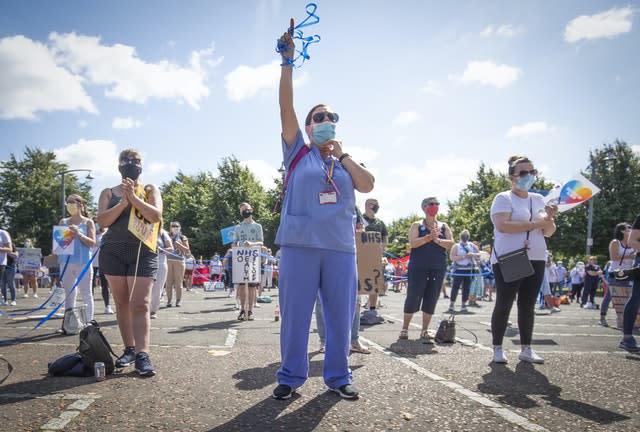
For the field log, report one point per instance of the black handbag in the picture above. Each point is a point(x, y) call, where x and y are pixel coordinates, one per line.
point(446, 332)
point(515, 265)
point(626, 275)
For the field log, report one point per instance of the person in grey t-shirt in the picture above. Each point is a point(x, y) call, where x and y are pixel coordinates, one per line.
point(247, 233)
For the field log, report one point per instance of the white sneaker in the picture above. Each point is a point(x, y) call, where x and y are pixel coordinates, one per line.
point(25, 295)
point(555, 309)
point(108, 310)
point(35, 295)
point(498, 355)
point(13, 303)
point(589, 305)
point(529, 355)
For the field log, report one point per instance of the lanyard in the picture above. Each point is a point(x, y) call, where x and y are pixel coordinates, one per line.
point(328, 172)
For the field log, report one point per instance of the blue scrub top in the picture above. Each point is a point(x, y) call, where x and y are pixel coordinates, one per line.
point(304, 222)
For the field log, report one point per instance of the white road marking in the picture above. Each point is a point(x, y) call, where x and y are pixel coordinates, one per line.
point(495, 407)
point(81, 403)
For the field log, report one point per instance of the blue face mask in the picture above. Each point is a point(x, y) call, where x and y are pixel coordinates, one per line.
point(525, 183)
point(323, 132)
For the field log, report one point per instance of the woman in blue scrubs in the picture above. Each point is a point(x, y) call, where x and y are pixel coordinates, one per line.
point(317, 240)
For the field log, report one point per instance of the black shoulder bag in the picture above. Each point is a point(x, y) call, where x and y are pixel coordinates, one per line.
point(516, 265)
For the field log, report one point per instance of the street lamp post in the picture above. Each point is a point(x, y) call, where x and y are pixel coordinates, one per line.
point(592, 165)
point(62, 190)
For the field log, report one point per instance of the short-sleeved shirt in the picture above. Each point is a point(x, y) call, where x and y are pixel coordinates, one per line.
point(304, 221)
point(521, 209)
point(5, 240)
point(375, 225)
point(251, 232)
point(591, 281)
point(81, 252)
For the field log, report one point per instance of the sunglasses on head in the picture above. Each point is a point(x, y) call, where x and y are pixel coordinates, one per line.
point(432, 204)
point(130, 160)
point(524, 173)
point(320, 116)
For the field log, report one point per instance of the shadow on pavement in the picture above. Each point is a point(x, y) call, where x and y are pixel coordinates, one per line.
point(265, 415)
point(515, 388)
point(261, 377)
point(412, 348)
point(219, 325)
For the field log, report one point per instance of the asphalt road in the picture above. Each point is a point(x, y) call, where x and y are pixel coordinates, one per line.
point(217, 374)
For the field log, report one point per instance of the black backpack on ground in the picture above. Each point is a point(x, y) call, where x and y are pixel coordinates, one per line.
point(95, 348)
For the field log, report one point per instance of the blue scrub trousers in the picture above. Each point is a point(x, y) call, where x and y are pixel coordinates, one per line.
point(305, 272)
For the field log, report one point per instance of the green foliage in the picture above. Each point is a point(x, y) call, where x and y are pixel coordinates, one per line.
point(398, 245)
point(30, 192)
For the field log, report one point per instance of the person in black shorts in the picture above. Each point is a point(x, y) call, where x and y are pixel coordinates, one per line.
point(129, 265)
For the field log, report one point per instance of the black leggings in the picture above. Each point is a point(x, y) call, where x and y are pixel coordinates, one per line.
point(465, 281)
point(527, 290)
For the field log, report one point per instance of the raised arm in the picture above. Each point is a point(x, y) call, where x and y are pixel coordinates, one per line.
point(288, 117)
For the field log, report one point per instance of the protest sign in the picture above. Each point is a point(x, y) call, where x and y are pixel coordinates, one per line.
point(369, 254)
point(246, 265)
point(63, 240)
point(29, 258)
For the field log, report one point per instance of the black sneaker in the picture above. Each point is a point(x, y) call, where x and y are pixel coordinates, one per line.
point(347, 391)
point(143, 365)
point(241, 316)
point(283, 392)
point(127, 358)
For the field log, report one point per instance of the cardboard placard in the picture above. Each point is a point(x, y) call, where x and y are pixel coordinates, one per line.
point(369, 253)
point(29, 258)
point(246, 265)
point(144, 230)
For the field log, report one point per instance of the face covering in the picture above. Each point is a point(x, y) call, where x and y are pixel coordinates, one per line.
point(72, 209)
point(464, 238)
point(525, 183)
point(246, 213)
point(323, 132)
point(432, 210)
point(130, 171)
point(175, 231)
point(27, 244)
point(375, 208)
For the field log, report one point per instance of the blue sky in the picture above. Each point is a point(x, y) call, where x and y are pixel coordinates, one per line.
point(426, 90)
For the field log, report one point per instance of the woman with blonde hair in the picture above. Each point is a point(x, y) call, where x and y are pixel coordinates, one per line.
point(129, 264)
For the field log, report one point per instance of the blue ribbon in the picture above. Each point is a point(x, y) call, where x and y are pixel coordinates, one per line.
point(55, 309)
point(296, 33)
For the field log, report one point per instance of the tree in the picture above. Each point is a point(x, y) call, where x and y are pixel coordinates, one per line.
point(616, 171)
point(30, 192)
point(398, 244)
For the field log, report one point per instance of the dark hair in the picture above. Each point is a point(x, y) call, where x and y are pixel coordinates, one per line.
point(307, 121)
point(618, 231)
point(515, 160)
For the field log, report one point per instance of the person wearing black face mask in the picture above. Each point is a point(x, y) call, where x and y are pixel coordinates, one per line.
point(371, 223)
point(129, 265)
point(247, 233)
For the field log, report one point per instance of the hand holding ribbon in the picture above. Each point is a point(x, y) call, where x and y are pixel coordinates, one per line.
point(286, 46)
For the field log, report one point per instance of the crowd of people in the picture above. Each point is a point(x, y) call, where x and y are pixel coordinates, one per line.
point(316, 264)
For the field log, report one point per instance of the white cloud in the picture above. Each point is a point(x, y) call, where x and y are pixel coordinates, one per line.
point(125, 123)
point(432, 87)
point(488, 73)
point(244, 82)
point(99, 156)
point(83, 124)
point(364, 155)
point(505, 30)
point(155, 168)
point(636, 148)
point(129, 78)
point(529, 128)
point(608, 24)
point(263, 172)
point(31, 81)
point(406, 118)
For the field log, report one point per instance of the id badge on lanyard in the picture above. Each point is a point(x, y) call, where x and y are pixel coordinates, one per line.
point(330, 194)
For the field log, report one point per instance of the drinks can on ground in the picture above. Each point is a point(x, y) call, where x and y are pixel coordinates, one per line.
point(100, 371)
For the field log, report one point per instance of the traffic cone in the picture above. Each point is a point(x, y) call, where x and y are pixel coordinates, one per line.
point(276, 314)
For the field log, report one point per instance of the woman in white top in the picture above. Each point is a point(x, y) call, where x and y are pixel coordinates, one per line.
point(520, 219)
point(621, 255)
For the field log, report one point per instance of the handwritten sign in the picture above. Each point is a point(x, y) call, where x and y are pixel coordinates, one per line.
point(369, 253)
point(246, 265)
point(144, 230)
point(63, 243)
